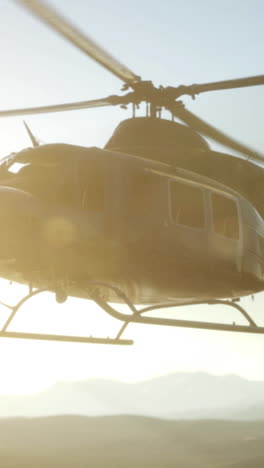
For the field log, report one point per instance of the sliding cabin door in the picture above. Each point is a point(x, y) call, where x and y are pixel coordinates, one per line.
point(187, 224)
point(181, 242)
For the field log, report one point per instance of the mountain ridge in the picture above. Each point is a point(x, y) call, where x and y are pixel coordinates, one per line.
point(173, 396)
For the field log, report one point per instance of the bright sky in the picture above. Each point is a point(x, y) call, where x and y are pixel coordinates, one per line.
point(171, 43)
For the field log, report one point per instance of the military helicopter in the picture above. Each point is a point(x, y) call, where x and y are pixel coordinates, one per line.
point(155, 218)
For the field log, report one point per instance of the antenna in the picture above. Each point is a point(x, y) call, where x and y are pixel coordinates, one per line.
point(33, 139)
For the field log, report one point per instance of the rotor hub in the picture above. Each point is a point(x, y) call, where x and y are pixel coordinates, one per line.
point(145, 91)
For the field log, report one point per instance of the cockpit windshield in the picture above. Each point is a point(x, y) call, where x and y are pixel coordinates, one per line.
point(55, 174)
point(46, 181)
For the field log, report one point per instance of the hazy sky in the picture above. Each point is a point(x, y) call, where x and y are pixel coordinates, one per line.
point(170, 42)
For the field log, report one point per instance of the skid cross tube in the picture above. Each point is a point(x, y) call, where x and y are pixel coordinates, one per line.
point(16, 307)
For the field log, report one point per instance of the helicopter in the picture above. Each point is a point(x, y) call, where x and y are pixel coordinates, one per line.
point(155, 218)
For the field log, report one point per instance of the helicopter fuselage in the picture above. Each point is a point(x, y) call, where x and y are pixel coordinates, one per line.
point(71, 215)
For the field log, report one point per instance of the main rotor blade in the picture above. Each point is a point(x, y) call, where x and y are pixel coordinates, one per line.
point(218, 85)
point(59, 107)
point(211, 132)
point(57, 22)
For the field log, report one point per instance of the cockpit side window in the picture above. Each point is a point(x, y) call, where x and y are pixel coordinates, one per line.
point(187, 204)
point(225, 216)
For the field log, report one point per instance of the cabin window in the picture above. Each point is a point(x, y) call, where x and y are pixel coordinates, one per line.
point(187, 204)
point(91, 186)
point(225, 216)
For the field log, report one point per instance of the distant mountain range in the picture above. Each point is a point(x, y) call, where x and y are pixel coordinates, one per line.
point(175, 396)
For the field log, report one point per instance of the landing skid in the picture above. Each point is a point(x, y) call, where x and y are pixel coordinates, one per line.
point(4, 333)
point(135, 316)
